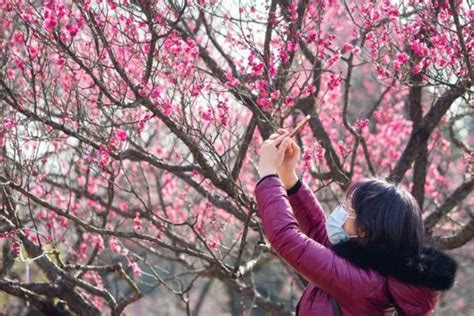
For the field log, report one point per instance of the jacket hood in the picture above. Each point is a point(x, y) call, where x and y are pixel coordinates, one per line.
point(431, 268)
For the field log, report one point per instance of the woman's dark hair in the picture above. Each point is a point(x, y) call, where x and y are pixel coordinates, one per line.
point(389, 216)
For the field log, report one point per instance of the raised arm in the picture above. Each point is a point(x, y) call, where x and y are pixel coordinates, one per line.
point(308, 212)
point(317, 263)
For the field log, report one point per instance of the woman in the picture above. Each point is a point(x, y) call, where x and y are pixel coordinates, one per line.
point(367, 258)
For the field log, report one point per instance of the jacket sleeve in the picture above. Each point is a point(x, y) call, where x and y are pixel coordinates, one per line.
point(308, 212)
point(317, 263)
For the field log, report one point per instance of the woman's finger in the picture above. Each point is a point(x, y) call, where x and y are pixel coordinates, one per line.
point(284, 145)
point(290, 150)
point(281, 131)
point(279, 139)
point(274, 137)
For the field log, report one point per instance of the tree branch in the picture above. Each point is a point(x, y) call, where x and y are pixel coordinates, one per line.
point(454, 199)
point(457, 240)
point(420, 136)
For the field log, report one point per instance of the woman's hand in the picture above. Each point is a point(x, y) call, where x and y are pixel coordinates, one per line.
point(287, 169)
point(272, 157)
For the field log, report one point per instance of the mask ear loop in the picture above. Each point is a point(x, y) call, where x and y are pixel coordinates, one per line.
point(349, 216)
point(345, 209)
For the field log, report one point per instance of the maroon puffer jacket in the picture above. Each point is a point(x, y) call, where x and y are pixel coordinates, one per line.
point(358, 277)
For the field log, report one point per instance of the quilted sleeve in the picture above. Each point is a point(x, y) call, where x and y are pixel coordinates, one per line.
point(308, 212)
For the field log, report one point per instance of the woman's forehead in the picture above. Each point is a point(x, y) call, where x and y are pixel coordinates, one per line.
point(348, 206)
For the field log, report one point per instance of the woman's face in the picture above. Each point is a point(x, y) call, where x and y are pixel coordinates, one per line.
point(350, 226)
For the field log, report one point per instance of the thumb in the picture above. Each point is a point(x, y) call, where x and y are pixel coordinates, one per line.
point(296, 149)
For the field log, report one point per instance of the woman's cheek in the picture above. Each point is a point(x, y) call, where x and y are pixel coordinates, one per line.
point(350, 227)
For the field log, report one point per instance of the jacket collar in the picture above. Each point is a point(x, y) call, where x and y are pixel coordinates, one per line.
point(430, 268)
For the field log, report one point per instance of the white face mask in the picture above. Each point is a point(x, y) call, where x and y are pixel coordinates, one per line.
point(334, 224)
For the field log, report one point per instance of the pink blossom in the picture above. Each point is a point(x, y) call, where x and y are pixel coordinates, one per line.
point(426, 62)
point(332, 60)
point(63, 222)
point(402, 58)
point(275, 95)
point(33, 51)
point(97, 239)
point(27, 17)
point(310, 89)
point(334, 81)
point(346, 47)
point(9, 123)
point(291, 46)
point(223, 113)
point(42, 215)
point(114, 245)
point(89, 158)
point(360, 124)
point(121, 134)
point(264, 103)
point(417, 68)
point(19, 64)
point(123, 206)
point(355, 50)
point(311, 37)
point(380, 70)
point(262, 86)
point(137, 222)
point(257, 69)
point(381, 117)
point(293, 6)
point(167, 108)
point(191, 48)
point(141, 123)
point(50, 23)
point(18, 38)
point(306, 155)
point(232, 82)
point(306, 158)
point(15, 248)
point(135, 268)
point(289, 101)
point(419, 48)
point(156, 92)
point(441, 62)
point(396, 65)
point(10, 73)
point(72, 29)
point(393, 12)
point(341, 147)
point(196, 89)
point(319, 152)
point(207, 115)
point(104, 156)
point(272, 70)
point(158, 18)
point(283, 56)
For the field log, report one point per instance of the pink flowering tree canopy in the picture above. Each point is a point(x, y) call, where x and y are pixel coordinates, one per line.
point(129, 133)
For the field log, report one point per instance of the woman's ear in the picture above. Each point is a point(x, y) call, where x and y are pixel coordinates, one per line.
point(361, 232)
